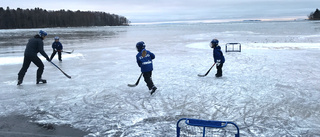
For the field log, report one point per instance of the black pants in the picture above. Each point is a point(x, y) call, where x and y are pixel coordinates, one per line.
point(54, 53)
point(26, 63)
point(219, 70)
point(148, 79)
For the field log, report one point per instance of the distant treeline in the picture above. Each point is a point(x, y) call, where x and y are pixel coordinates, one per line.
point(39, 18)
point(314, 15)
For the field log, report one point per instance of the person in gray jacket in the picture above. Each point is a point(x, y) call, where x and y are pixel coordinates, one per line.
point(34, 46)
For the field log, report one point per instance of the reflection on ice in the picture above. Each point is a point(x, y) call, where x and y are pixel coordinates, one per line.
point(19, 59)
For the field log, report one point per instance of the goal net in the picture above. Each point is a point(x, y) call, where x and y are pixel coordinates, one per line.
point(233, 47)
point(187, 127)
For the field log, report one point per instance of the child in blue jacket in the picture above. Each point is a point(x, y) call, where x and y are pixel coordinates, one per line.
point(57, 47)
point(217, 56)
point(144, 60)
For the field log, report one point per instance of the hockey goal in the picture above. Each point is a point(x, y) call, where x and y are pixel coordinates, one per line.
point(197, 127)
point(233, 47)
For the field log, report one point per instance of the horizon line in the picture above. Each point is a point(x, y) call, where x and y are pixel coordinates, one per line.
point(220, 20)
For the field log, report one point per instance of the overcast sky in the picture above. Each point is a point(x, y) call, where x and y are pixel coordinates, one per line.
point(175, 10)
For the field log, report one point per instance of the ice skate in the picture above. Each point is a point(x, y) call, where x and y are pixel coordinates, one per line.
point(19, 81)
point(39, 81)
point(153, 90)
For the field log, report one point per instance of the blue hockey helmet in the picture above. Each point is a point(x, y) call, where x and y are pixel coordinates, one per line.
point(140, 46)
point(214, 43)
point(56, 38)
point(42, 33)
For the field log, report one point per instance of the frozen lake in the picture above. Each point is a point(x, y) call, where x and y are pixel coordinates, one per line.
point(270, 88)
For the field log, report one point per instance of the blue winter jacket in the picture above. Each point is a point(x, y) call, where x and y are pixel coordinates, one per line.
point(57, 46)
point(145, 63)
point(218, 55)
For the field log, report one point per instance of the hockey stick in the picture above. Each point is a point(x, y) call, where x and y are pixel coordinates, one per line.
point(207, 71)
point(133, 85)
point(60, 69)
point(69, 52)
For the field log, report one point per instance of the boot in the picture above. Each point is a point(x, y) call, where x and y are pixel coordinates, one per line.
point(41, 81)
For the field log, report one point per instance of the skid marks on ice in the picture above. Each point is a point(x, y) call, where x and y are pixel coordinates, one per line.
point(153, 114)
point(283, 112)
point(119, 113)
point(105, 112)
point(259, 118)
point(54, 108)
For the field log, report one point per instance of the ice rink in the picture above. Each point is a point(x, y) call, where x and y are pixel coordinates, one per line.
point(270, 88)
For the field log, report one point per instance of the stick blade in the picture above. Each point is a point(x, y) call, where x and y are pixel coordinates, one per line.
point(201, 75)
point(69, 52)
point(66, 74)
point(132, 85)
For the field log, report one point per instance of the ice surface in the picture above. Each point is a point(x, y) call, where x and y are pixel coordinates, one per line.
point(271, 88)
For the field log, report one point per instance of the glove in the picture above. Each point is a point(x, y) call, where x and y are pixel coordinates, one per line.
point(218, 62)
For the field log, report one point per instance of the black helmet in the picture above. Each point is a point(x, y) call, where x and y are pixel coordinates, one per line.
point(140, 46)
point(214, 43)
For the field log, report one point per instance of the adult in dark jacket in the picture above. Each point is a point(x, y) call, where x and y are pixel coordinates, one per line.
point(34, 46)
point(217, 56)
point(144, 60)
point(57, 47)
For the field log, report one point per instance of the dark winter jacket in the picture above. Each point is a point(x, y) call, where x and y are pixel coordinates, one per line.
point(34, 46)
point(218, 55)
point(57, 46)
point(145, 63)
